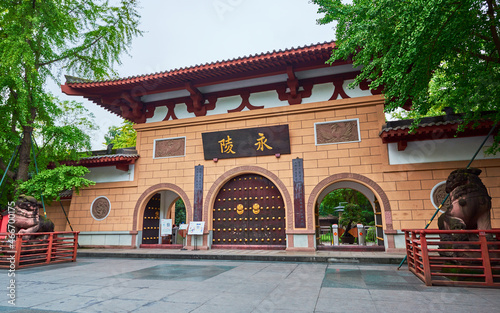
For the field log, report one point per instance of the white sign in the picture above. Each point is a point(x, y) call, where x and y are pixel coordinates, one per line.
point(196, 228)
point(183, 226)
point(165, 227)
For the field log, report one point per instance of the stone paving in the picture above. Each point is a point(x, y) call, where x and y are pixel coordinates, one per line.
point(250, 254)
point(156, 285)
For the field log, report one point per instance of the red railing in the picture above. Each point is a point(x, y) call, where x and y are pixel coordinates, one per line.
point(459, 258)
point(17, 252)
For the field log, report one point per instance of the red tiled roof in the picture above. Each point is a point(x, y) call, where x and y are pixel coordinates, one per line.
point(316, 54)
point(433, 131)
point(104, 160)
point(66, 194)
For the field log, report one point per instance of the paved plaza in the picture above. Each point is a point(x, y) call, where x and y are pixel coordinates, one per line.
point(158, 285)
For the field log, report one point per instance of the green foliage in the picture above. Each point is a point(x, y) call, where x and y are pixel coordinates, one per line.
point(401, 114)
point(335, 197)
point(65, 135)
point(50, 183)
point(430, 53)
point(110, 135)
point(62, 138)
point(352, 215)
point(180, 212)
point(326, 237)
point(123, 136)
point(370, 234)
point(39, 40)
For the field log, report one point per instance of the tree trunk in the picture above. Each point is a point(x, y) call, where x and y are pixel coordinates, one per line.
point(24, 154)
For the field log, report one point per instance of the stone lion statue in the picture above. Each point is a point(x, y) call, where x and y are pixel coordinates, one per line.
point(27, 217)
point(470, 207)
point(470, 203)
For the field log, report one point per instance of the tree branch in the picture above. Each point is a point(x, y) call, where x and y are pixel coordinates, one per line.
point(493, 29)
point(442, 28)
point(478, 55)
point(10, 173)
point(483, 37)
point(74, 52)
point(43, 147)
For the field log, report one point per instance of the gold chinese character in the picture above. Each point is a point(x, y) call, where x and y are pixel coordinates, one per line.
point(261, 143)
point(226, 145)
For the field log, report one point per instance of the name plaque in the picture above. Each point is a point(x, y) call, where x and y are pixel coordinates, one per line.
point(246, 142)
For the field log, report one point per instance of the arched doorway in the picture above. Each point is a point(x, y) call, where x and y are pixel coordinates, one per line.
point(162, 205)
point(249, 211)
point(353, 188)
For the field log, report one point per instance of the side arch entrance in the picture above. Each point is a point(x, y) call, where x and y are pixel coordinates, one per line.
point(249, 211)
point(160, 206)
point(155, 203)
point(370, 189)
point(363, 190)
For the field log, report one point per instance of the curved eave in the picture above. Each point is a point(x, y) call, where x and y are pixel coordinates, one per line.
point(434, 132)
point(308, 56)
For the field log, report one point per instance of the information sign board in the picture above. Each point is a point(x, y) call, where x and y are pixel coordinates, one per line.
point(196, 228)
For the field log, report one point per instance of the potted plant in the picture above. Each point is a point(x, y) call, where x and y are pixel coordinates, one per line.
point(351, 216)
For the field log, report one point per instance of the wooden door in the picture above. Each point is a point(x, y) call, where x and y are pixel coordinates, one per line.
point(151, 222)
point(249, 210)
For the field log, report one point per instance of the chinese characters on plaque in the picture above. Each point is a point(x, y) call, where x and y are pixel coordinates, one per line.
point(246, 142)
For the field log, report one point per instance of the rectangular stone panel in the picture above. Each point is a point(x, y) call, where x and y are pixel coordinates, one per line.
point(335, 132)
point(198, 193)
point(299, 193)
point(169, 147)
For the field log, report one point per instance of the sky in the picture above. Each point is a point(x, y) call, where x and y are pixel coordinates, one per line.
point(190, 32)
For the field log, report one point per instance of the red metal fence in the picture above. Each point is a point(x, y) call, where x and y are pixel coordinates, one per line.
point(47, 248)
point(459, 258)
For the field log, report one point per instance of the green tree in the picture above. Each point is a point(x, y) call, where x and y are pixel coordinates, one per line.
point(38, 39)
point(335, 197)
point(351, 216)
point(51, 182)
point(180, 212)
point(423, 53)
point(123, 136)
point(66, 133)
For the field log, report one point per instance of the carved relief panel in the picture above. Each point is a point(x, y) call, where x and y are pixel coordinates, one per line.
point(169, 147)
point(335, 132)
point(100, 208)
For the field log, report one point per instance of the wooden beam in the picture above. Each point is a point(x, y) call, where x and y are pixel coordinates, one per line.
point(122, 167)
point(402, 144)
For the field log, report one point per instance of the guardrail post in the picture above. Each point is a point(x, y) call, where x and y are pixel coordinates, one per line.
point(488, 275)
point(425, 260)
point(19, 243)
point(414, 248)
point(408, 248)
point(49, 248)
point(75, 245)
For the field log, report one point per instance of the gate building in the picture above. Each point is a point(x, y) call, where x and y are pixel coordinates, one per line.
point(252, 145)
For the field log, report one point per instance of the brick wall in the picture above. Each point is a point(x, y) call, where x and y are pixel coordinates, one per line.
point(56, 215)
point(406, 187)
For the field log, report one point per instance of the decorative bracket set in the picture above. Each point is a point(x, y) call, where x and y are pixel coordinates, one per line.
point(294, 91)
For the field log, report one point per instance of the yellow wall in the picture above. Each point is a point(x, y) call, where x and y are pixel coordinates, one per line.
point(407, 187)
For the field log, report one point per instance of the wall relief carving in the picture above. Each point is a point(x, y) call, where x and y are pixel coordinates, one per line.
point(100, 208)
point(337, 132)
point(170, 147)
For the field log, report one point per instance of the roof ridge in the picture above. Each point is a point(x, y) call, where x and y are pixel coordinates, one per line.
point(206, 65)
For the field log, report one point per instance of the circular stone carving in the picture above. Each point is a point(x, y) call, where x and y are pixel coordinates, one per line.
point(437, 196)
point(100, 208)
